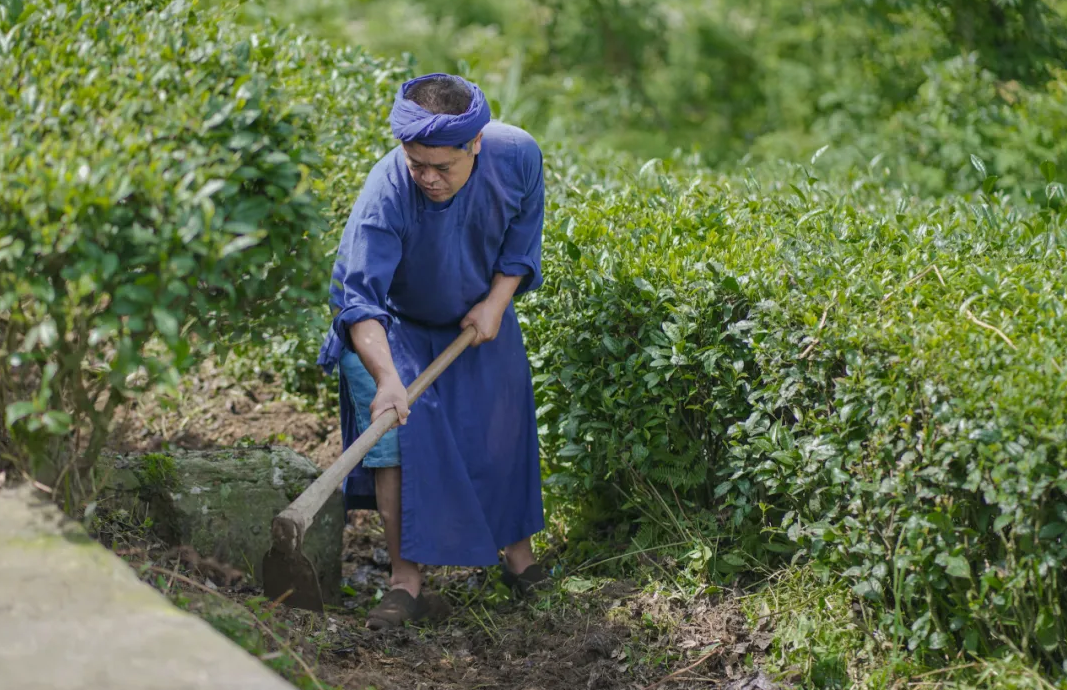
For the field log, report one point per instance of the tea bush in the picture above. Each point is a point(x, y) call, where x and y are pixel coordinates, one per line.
point(835, 371)
point(161, 172)
point(350, 93)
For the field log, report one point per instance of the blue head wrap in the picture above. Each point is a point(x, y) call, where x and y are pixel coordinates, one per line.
point(411, 122)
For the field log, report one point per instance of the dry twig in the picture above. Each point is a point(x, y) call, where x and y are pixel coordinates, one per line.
point(38, 485)
point(822, 322)
point(918, 276)
point(687, 669)
point(996, 330)
point(808, 349)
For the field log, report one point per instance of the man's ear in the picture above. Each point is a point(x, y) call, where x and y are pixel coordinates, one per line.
point(475, 147)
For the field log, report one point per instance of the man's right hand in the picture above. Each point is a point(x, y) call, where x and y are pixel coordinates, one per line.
point(391, 395)
point(370, 342)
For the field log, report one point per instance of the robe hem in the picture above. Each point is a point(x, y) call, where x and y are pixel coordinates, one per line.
point(473, 558)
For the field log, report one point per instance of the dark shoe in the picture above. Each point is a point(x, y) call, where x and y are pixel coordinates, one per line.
point(396, 607)
point(526, 582)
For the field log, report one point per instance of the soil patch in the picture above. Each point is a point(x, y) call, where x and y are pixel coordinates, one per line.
point(214, 409)
point(617, 634)
point(585, 633)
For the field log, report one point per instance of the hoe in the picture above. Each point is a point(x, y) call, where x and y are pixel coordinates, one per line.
point(287, 571)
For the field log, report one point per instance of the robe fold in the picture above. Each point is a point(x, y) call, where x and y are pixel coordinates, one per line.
point(470, 477)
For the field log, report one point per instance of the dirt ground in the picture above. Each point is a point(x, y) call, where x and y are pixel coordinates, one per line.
point(584, 633)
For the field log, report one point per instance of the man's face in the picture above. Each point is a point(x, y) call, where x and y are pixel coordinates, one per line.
point(441, 171)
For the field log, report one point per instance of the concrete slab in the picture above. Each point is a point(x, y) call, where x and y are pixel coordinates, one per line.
point(74, 616)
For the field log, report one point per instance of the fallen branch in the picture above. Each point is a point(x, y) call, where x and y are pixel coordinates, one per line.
point(262, 626)
point(661, 681)
point(947, 669)
point(38, 485)
point(918, 276)
point(996, 330)
point(818, 330)
point(808, 349)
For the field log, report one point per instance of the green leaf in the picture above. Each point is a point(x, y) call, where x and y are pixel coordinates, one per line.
point(733, 559)
point(979, 166)
point(209, 188)
point(939, 640)
point(1048, 169)
point(56, 421)
point(573, 252)
point(239, 244)
point(989, 184)
point(1046, 630)
point(648, 166)
point(17, 411)
point(956, 566)
point(165, 322)
point(578, 585)
point(1052, 530)
point(110, 264)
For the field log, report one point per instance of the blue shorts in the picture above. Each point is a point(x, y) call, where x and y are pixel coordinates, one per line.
point(361, 392)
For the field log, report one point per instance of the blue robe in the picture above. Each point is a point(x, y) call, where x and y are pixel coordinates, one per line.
point(471, 480)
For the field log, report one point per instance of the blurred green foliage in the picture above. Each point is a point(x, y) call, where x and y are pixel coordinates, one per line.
point(915, 85)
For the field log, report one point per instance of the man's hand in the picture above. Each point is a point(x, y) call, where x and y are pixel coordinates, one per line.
point(391, 395)
point(487, 314)
point(485, 317)
point(370, 343)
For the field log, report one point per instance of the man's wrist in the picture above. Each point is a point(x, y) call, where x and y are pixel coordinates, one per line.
point(503, 290)
point(370, 344)
point(387, 376)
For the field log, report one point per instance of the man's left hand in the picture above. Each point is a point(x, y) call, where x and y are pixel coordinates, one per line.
point(485, 317)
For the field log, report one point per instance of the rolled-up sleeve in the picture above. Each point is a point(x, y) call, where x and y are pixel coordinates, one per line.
point(367, 258)
point(520, 254)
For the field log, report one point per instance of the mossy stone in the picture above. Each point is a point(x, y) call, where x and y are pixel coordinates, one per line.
point(222, 502)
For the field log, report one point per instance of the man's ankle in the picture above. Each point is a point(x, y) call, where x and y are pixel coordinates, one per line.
point(411, 585)
point(518, 560)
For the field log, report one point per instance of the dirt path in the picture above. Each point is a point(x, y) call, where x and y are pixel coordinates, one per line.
point(587, 632)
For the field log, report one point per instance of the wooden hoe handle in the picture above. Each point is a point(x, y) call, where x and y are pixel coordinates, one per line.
point(292, 523)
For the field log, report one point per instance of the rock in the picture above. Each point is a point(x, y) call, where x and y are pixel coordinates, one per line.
point(222, 503)
point(756, 681)
point(73, 615)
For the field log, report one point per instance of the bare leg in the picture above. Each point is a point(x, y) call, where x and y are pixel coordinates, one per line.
point(406, 574)
point(519, 556)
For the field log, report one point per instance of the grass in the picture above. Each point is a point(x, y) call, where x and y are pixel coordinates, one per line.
point(823, 639)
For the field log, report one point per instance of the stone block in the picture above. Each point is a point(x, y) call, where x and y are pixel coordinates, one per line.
point(221, 503)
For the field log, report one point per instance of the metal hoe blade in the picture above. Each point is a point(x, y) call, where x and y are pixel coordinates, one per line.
point(293, 574)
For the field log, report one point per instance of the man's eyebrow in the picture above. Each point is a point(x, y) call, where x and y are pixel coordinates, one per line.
point(416, 161)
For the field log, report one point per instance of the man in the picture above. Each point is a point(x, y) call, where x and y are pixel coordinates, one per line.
point(446, 230)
